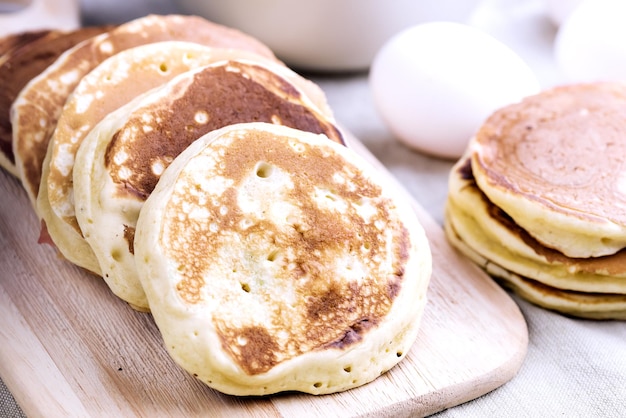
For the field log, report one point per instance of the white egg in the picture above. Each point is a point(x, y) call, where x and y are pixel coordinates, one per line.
point(590, 44)
point(435, 83)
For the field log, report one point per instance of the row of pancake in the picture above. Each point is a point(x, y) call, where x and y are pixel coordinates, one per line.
point(208, 183)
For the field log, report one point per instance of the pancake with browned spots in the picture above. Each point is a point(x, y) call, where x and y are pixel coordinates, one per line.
point(120, 161)
point(38, 106)
point(113, 83)
point(28, 55)
point(277, 260)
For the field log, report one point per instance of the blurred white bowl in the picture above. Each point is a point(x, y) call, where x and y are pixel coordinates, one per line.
point(25, 15)
point(327, 35)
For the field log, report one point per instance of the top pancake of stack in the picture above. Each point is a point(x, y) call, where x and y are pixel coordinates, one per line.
point(555, 163)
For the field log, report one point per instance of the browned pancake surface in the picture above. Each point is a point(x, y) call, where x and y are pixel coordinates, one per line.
point(328, 311)
point(41, 106)
point(34, 52)
point(217, 96)
point(564, 148)
point(16, 40)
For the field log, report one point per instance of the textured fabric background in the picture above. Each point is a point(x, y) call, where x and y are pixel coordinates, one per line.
point(8, 407)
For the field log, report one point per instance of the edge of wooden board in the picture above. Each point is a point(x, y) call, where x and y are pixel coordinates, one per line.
point(441, 370)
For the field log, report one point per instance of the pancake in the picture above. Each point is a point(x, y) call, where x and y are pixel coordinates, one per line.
point(35, 111)
point(492, 234)
point(119, 162)
point(555, 164)
point(113, 83)
point(15, 40)
point(568, 302)
point(277, 260)
point(27, 56)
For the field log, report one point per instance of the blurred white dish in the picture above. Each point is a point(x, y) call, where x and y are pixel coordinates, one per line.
point(39, 14)
point(327, 35)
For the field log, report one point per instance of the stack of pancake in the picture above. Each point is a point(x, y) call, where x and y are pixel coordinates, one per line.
point(539, 199)
point(207, 183)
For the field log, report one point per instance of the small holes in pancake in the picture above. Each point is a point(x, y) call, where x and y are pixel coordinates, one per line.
point(347, 369)
point(273, 255)
point(201, 117)
point(399, 354)
point(157, 168)
point(317, 384)
point(116, 255)
point(606, 241)
point(163, 67)
point(331, 195)
point(245, 287)
point(263, 170)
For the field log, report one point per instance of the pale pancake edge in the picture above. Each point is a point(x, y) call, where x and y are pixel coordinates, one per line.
point(572, 303)
point(488, 230)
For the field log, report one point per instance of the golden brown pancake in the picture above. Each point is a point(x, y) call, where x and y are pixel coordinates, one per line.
point(113, 83)
point(555, 164)
point(37, 108)
point(28, 55)
point(120, 161)
point(493, 234)
point(572, 303)
point(277, 260)
point(13, 41)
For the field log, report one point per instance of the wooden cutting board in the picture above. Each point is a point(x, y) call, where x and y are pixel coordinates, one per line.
point(68, 347)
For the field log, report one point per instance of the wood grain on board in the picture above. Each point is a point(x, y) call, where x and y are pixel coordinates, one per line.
point(68, 347)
